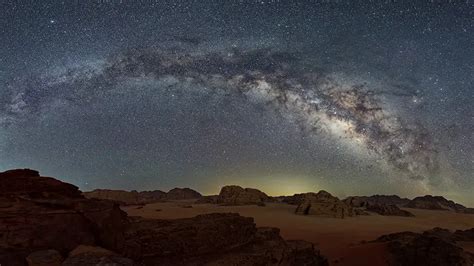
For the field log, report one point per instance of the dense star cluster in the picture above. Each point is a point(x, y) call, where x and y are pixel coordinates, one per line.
point(353, 97)
point(319, 104)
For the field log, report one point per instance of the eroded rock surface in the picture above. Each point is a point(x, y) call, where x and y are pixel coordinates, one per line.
point(47, 214)
point(236, 195)
point(436, 247)
point(324, 204)
point(437, 203)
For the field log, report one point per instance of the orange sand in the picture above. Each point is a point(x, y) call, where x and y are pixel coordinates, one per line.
point(338, 239)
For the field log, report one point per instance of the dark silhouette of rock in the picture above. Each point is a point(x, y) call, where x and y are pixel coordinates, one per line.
point(92, 255)
point(296, 199)
point(433, 247)
point(363, 201)
point(48, 257)
point(127, 197)
point(182, 194)
point(143, 197)
point(437, 203)
point(388, 210)
point(216, 239)
point(323, 203)
point(236, 195)
point(45, 213)
point(212, 199)
point(464, 235)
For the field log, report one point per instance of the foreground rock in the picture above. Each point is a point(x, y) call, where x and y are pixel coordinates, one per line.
point(92, 255)
point(44, 213)
point(235, 195)
point(182, 194)
point(143, 197)
point(324, 204)
point(49, 217)
point(214, 239)
point(435, 247)
point(49, 257)
point(437, 203)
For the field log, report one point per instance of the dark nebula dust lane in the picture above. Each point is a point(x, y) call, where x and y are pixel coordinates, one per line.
point(272, 100)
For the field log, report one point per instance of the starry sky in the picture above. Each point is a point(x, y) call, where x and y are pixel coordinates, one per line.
point(354, 97)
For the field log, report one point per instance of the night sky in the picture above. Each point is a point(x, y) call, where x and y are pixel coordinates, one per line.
point(353, 97)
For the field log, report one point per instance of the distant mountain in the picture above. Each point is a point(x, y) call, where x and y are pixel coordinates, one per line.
point(437, 203)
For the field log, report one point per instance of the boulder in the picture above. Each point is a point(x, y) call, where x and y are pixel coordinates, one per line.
point(236, 195)
point(388, 210)
point(324, 204)
point(48, 257)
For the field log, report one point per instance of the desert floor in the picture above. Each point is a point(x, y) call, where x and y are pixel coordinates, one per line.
point(340, 240)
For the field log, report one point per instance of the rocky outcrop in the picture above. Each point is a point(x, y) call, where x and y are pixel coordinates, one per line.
point(182, 194)
point(324, 204)
point(92, 255)
point(215, 239)
point(211, 199)
point(388, 210)
point(54, 216)
point(437, 203)
point(434, 247)
point(48, 257)
point(236, 195)
point(363, 201)
point(296, 199)
point(143, 197)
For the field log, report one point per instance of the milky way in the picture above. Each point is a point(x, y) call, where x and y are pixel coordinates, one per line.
point(319, 104)
point(354, 97)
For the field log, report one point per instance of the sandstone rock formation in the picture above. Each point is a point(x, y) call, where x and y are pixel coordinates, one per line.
point(437, 203)
point(182, 194)
point(388, 210)
point(92, 255)
point(143, 197)
point(435, 247)
point(296, 199)
point(214, 239)
point(211, 199)
point(236, 195)
point(324, 204)
point(48, 257)
point(363, 201)
point(41, 213)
